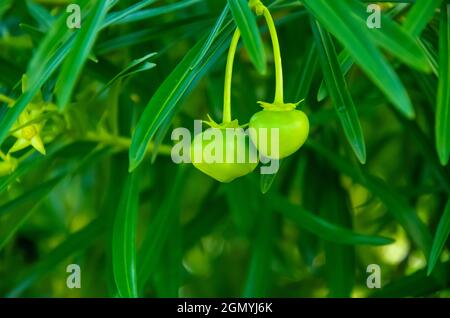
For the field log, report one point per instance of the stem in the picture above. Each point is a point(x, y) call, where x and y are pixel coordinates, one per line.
point(277, 58)
point(123, 143)
point(228, 76)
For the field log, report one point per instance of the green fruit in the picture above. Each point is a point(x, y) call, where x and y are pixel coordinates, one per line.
point(293, 130)
point(223, 154)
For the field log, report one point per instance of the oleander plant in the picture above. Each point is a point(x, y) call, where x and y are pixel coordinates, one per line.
point(354, 100)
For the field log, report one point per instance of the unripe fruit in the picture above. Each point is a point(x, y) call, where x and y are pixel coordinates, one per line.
point(293, 129)
point(223, 154)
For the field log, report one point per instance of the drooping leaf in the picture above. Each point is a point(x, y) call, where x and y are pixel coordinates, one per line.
point(334, 15)
point(442, 233)
point(158, 232)
point(337, 86)
point(74, 244)
point(443, 98)
point(395, 203)
point(172, 90)
point(321, 227)
point(79, 52)
point(259, 273)
point(422, 11)
point(246, 22)
point(135, 14)
point(393, 38)
point(124, 238)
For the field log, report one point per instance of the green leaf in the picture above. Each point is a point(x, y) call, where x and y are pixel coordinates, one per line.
point(74, 244)
point(136, 66)
point(28, 200)
point(442, 233)
point(133, 15)
point(80, 50)
point(340, 259)
point(443, 99)
point(305, 74)
point(172, 90)
point(159, 231)
point(421, 12)
point(246, 22)
point(15, 213)
point(124, 238)
point(334, 15)
point(169, 274)
point(13, 113)
point(258, 277)
point(395, 203)
point(4, 6)
point(40, 14)
point(393, 38)
point(322, 228)
point(242, 205)
point(337, 86)
point(346, 63)
point(59, 34)
point(266, 181)
point(116, 17)
point(213, 34)
point(417, 284)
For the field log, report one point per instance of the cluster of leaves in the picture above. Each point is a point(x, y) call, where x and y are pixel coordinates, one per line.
point(371, 185)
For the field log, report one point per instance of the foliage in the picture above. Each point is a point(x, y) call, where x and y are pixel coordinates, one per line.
point(86, 175)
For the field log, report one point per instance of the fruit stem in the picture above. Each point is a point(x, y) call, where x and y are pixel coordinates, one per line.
point(276, 56)
point(261, 9)
point(228, 77)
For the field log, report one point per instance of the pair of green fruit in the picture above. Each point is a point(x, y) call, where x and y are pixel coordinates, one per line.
point(293, 129)
point(292, 125)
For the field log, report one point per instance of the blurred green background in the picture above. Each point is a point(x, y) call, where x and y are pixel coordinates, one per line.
point(320, 224)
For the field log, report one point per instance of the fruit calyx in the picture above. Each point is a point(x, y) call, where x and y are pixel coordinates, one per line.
point(231, 124)
point(279, 106)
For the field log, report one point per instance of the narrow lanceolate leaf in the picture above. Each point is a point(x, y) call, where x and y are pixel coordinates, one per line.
point(337, 18)
point(443, 98)
point(15, 213)
point(442, 233)
point(305, 74)
point(136, 66)
point(336, 84)
point(185, 75)
point(266, 182)
point(421, 12)
point(417, 284)
point(80, 50)
point(259, 274)
point(340, 259)
point(159, 230)
point(127, 16)
point(115, 17)
point(346, 63)
point(14, 112)
point(246, 23)
point(321, 227)
point(395, 203)
point(51, 52)
point(72, 245)
point(124, 239)
point(393, 38)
